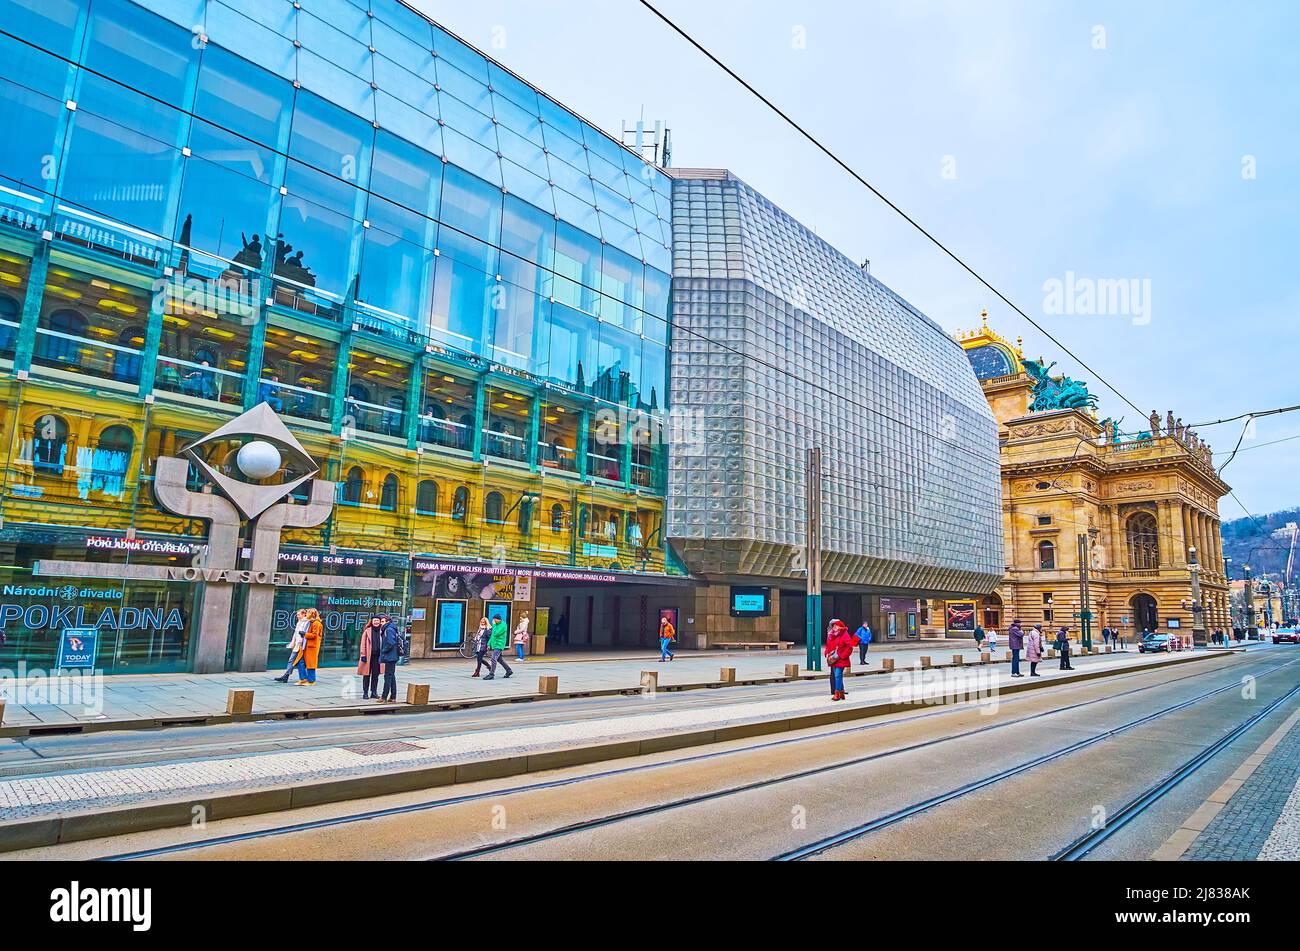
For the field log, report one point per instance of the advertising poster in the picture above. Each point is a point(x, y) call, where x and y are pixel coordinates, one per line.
point(499, 609)
point(77, 646)
point(961, 616)
point(451, 624)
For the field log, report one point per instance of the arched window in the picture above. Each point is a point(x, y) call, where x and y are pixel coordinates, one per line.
point(353, 486)
point(59, 351)
point(50, 444)
point(493, 507)
point(557, 517)
point(526, 517)
point(460, 504)
point(388, 494)
point(426, 498)
point(1046, 556)
point(1143, 542)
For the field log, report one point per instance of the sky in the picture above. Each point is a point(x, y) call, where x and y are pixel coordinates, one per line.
point(1052, 145)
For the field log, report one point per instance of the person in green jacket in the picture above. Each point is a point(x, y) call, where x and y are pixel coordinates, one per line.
point(497, 642)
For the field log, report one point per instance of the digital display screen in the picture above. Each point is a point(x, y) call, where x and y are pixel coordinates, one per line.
point(751, 602)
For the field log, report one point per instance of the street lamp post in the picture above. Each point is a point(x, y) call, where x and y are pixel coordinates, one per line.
point(1250, 604)
point(1198, 609)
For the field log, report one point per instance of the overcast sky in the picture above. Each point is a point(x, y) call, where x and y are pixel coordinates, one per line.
point(1155, 143)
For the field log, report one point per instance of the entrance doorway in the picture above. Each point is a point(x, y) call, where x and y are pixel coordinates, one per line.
point(1146, 614)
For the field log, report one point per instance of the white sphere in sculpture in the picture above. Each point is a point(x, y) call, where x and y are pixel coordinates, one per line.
point(258, 460)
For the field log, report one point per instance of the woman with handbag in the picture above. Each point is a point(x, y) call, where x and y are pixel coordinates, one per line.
point(368, 666)
point(839, 654)
point(310, 658)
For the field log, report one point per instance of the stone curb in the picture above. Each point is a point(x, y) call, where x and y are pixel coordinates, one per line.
point(370, 710)
point(76, 827)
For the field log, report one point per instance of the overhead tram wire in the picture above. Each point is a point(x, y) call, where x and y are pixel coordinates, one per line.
point(875, 191)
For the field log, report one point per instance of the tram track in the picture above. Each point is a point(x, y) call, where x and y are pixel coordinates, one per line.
point(627, 815)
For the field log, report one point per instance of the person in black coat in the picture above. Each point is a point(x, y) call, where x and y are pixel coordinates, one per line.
point(389, 654)
point(1063, 645)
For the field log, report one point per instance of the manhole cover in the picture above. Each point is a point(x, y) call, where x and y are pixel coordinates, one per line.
point(382, 749)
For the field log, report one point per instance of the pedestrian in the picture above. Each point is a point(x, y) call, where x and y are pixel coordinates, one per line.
point(310, 658)
point(667, 634)
point(993, 641)
point(521, 636)
point(839, 654)
point(1015, 643)
point(297, 641)
point(390, 654)
point(979, 637)
point(865, 638)
point(368, 666)
point(498, 641)
point(481, 637)
point(1063, 645)
point(1034, 650)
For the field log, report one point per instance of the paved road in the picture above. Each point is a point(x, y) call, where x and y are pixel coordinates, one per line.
point(762, 798)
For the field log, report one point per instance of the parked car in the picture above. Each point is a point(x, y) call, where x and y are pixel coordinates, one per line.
point(1286, 637)
point(1154, 644)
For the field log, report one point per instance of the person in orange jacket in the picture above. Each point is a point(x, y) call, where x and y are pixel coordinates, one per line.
point(839, 653)
point(311, 652)
point(667, 634)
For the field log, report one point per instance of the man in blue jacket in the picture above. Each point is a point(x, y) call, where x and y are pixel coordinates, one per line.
point(864, 641)
point(390, 652)
point(1016, 643)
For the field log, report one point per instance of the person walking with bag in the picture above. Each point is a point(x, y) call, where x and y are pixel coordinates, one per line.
point(368, 666)
point(498, 641)
point(839, 654)
point(296, 643)
point(865, 638)
point(1034, 645)
point(390, 652)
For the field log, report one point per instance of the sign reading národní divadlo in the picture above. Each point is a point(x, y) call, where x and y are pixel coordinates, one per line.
point(77, 646)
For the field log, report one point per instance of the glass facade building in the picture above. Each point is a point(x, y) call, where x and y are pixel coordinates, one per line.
point(782, 343)
point(453, 289)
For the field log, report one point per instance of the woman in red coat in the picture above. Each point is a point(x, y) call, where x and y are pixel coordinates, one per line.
point(839, 652)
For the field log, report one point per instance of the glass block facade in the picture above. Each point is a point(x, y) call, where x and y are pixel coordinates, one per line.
point(452, 288)
point(781, 343)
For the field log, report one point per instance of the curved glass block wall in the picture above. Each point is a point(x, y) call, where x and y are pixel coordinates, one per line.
point(782, 343)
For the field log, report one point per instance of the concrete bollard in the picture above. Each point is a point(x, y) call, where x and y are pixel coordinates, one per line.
point(887, 665)
point(239, 701)
point(986, 658)
point(1110, 650)
point(728, 675)
point(1051, 653)
point(792, 671)
point(650, 680)
point(958, 660)
point(549, 686)
point(1009, 656)
point(2, 712)
point(417, 695)
point(926, 663)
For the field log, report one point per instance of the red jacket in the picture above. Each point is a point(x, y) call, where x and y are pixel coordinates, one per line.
point(839, 648)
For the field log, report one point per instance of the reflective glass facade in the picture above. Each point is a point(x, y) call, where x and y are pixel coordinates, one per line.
point(452, 288)
point(781, 343)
